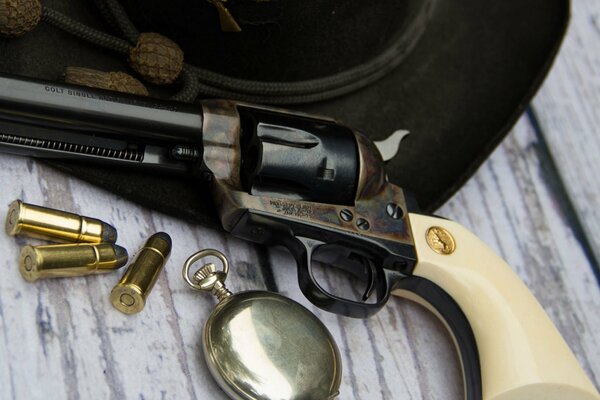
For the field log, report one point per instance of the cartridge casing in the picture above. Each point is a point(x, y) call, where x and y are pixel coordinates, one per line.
point(129, 295)
point(66, 260)
point(60, 226)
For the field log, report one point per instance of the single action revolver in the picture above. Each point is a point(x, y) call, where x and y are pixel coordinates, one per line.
point(319, 189)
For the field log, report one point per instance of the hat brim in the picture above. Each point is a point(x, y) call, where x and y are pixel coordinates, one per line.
point(459, 92)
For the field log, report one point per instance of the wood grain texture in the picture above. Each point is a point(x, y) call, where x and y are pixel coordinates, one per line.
point(64, 334)
point(62, 339)
point(568, 110)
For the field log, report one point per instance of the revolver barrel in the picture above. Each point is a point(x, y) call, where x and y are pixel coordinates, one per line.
point(55, 120)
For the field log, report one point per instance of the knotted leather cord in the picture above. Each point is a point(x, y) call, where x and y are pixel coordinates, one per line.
point(196, 80)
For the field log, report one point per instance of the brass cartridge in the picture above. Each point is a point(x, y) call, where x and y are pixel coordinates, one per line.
point(66, 260)
point(46, 223)
point(129, 295)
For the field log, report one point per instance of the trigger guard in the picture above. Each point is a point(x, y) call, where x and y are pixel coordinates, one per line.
point(321, 298)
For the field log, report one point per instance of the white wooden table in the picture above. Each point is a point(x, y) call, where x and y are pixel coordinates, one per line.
point(535, 201)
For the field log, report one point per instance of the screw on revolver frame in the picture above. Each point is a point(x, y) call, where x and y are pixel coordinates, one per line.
point(346, 215)
point(362, 224)
point(394, 211)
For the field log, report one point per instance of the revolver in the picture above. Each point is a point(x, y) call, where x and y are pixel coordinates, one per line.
point(319, 189)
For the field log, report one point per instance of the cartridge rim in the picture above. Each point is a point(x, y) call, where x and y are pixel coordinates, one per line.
point(28, 262)
point(12, 217)
point(127, 298)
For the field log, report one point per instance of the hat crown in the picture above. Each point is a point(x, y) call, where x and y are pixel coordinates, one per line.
point(284, 40)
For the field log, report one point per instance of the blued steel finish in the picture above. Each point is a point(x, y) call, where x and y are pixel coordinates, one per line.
point(303, 226)
point(101, 112)
point(297, 157)
point(55, 225)
point(67, 260)
point(213, 141)
point(56, 120)
point(222, 156)
point(129, 295)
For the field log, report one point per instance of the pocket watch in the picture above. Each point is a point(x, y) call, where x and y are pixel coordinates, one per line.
point(262, 345)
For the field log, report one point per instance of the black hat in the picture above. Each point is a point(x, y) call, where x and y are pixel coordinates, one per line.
point(456, 73)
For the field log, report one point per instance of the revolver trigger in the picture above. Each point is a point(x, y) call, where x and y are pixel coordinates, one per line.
point(371, 278)
point(388, 148)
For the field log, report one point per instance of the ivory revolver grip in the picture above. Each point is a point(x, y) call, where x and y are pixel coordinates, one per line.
point(522, 355)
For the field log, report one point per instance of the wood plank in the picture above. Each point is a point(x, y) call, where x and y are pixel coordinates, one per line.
point(568, 107)
point(78, 346)
point(65, 336)
point(62, 338)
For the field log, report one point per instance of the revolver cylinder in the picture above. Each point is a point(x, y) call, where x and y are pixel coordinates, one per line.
point(298, 157)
